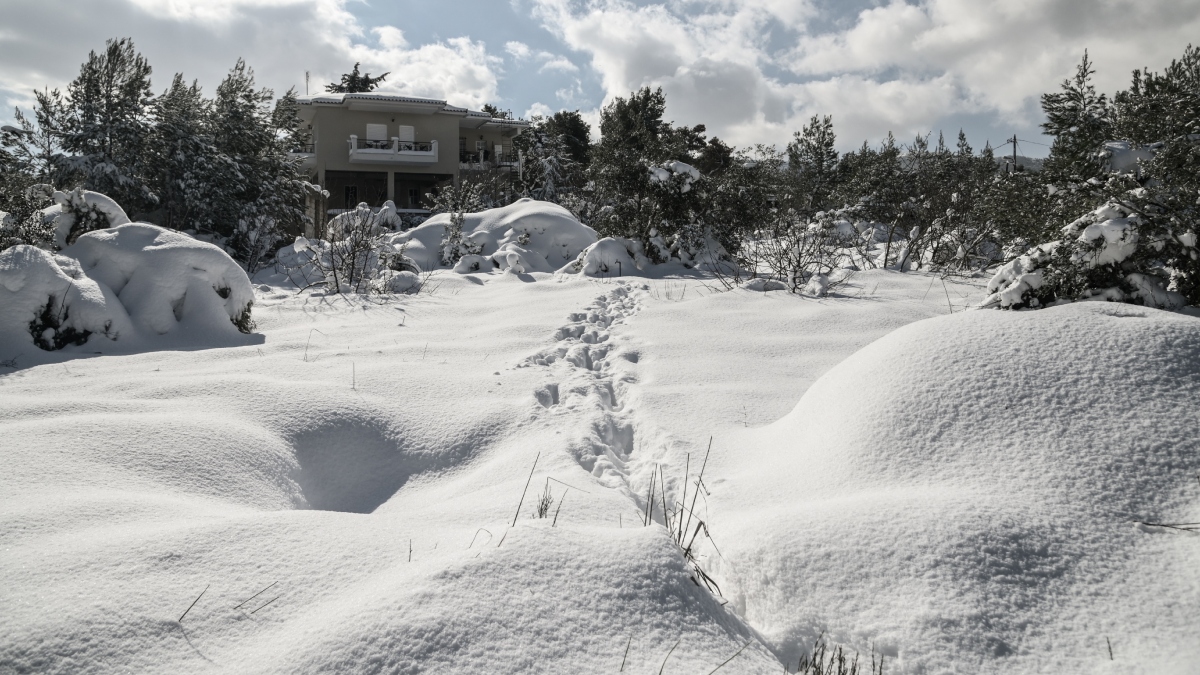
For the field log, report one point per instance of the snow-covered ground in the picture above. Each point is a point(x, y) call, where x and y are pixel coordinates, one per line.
point(957, 492)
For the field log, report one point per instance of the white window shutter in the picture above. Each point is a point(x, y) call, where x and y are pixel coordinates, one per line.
point(406, 134)
point(499, 151)
point(377, 132)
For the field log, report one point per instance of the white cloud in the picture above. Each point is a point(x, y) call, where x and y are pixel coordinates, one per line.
point(559, 63)
point(550, 62)
point(539, 108)
point(899, 66)
point(518, 50)
point(280, 39)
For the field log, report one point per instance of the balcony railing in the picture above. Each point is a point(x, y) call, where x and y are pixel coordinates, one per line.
point(488, 160)
point(393, 151)
point(395, 144)
point(303, 149)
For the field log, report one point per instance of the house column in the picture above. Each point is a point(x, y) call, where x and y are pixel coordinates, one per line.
point(391, 191)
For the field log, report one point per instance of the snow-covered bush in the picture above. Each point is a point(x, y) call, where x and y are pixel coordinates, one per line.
point(1112, 253)
point(77, 212)
point(358, 257)
point(610, 256)
point(533, 235)
point(163, 278)
point(131, 282)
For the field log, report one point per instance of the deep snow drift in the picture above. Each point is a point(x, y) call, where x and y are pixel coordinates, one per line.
point(959, 495)
point(964, 491)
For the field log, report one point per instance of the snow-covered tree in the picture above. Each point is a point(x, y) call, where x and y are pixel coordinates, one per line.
point(1080, 120)
point(265, 194)
point(812, 155)
point(102, 125)
point(457, 201)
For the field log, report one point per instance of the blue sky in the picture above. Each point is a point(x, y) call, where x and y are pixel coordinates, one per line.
point(752, 71)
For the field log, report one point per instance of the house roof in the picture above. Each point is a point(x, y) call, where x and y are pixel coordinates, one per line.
point(468, 119)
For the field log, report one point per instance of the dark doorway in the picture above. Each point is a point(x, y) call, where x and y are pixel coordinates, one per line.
point(348, 188)
point(411, 188)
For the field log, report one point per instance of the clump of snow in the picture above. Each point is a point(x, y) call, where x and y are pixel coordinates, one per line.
point(762, 284)
point(817, 286)
point(131, 283)
point(1011, 284)
point(543, 235)
point(674, 171)
point(78, 211)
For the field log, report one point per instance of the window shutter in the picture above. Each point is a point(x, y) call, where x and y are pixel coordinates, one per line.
point(406, 134)
point(377, 132)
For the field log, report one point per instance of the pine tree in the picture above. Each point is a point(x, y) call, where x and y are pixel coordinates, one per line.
point(575, 134)
point(356, 83)
point(102, 125)
point(186, 168)
point(546, 164)
point(265, 194)
point(812, 155)
point(1079, 119)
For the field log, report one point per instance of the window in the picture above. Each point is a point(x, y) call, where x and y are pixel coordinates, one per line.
point(351, 196)
point(377, 137)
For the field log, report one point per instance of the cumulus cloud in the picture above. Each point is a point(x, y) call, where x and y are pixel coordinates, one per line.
point(753, 70)
point(43, 44)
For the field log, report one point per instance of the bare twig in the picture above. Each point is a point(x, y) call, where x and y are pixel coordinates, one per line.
point(267, 603)
point(520, 503)
point(664, 663)
point(629, 642)
point(185, 612)
point(256, 595)
point(560, 501)
point(729, 659)
point(482, 529)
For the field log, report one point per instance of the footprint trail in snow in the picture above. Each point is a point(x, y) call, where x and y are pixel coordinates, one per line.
point(592, 372)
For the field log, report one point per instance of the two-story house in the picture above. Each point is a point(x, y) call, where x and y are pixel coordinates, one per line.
point(374, 147)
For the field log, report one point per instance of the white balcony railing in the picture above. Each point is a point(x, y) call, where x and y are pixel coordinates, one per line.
point(394, 151)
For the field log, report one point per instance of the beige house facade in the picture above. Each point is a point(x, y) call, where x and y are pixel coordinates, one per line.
point(374, 148)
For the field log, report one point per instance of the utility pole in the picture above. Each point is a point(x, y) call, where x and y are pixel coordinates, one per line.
point(306, 83)
point(1013, 140)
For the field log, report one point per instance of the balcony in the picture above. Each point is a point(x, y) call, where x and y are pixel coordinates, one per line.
point(394, 151)
point(486, 160)
point(306, 154)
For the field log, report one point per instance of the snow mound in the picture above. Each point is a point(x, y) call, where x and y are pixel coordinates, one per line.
point(543, 236)
point(164, 278)
point(128, 283)
point(963, 494)
point(607, 257)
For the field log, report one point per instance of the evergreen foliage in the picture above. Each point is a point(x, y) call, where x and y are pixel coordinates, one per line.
point(101, 126)
point(356, 83)
point(218, 166)
point(1079, 120)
